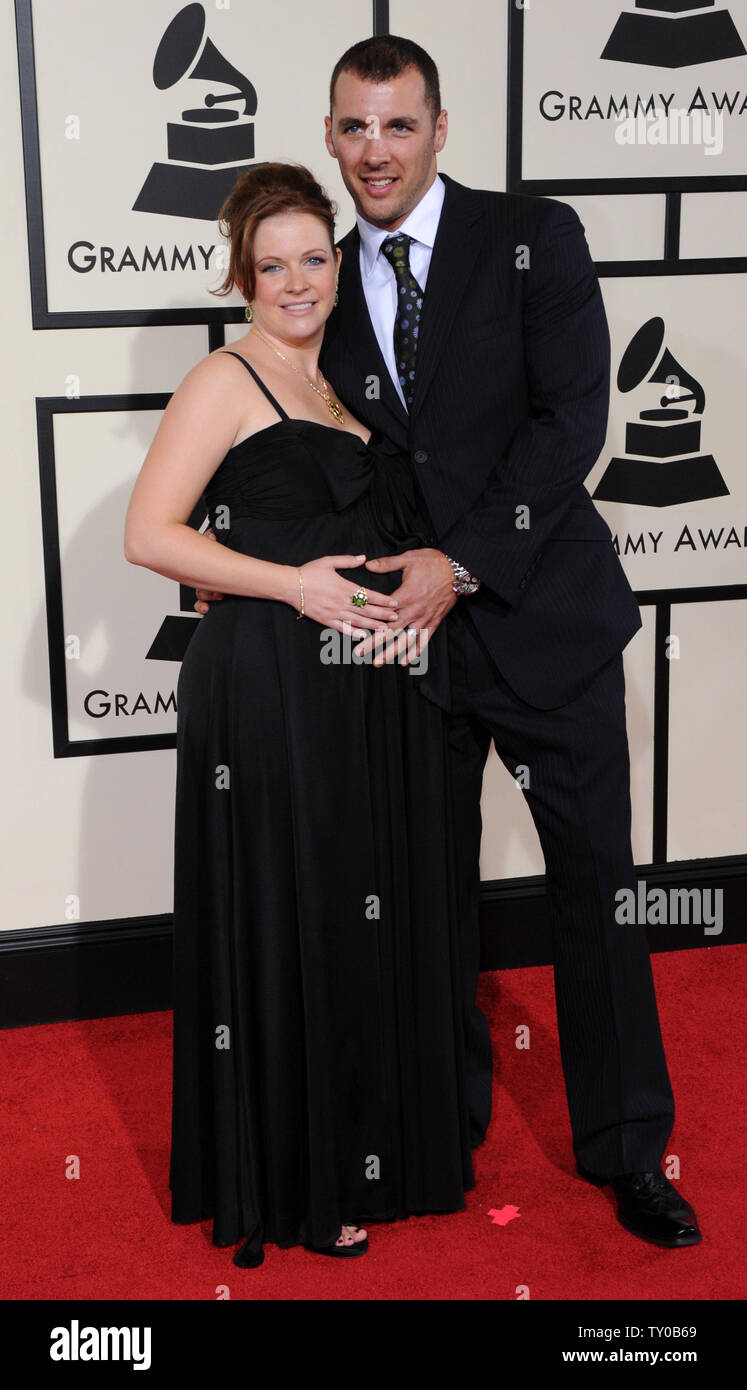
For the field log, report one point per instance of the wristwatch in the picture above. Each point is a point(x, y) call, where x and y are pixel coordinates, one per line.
point(463, 582)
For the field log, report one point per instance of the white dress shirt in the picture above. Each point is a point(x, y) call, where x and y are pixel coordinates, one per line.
point(377, 276)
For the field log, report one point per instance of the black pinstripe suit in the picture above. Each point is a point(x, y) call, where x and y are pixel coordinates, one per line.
point(508, 418)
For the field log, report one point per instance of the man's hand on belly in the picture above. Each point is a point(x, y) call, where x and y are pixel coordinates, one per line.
point(425, 596)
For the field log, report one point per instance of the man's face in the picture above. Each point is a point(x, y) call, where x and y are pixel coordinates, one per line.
point(383, 137)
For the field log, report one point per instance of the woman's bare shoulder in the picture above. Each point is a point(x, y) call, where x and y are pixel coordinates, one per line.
point(210, 383)
point(214, 368)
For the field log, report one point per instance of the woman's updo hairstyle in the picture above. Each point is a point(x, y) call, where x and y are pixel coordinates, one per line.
point(262, 191)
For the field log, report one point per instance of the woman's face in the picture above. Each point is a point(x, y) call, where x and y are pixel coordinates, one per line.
point(295, 270)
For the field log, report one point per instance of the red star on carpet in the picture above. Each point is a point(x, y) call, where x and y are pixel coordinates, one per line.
point(502, 1217)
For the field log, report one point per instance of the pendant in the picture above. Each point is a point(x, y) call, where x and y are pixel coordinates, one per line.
point(336, 411)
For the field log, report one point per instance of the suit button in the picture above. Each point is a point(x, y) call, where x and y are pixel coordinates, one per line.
point(420, 456)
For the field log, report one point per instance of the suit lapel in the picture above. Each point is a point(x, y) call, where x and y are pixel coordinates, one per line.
point(354, 323)
point(461, 231)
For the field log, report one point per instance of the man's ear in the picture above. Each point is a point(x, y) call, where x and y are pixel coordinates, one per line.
point(329, 142)
point(441, 132)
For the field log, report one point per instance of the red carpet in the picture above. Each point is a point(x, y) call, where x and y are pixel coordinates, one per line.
point(100, 1091)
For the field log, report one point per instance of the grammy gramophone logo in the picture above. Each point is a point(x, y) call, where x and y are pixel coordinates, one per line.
point(672, 39)
point(662, 465)
point(212, 144)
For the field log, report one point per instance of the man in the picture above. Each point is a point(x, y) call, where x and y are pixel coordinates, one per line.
point(471, 330)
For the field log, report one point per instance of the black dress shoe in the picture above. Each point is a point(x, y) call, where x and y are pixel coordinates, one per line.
point(650, 1207)
point(249, 1255)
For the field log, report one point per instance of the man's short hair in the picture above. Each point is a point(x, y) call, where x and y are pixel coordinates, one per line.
point(385, 56)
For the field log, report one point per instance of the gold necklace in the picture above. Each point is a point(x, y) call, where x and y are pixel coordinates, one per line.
point(331, 405)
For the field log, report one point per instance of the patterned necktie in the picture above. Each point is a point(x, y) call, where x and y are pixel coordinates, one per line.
point(409, 308)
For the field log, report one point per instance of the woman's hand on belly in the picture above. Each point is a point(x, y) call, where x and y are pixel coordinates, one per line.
point(327, 597)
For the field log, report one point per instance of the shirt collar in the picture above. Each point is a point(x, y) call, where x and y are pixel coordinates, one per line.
point(421, 224)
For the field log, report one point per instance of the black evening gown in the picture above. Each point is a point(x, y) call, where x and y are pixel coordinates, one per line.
point(318, 1046)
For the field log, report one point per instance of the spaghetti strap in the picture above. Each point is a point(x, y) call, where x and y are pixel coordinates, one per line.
point(260, 384)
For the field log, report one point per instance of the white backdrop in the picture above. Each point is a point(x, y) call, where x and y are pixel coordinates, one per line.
point(99, 825)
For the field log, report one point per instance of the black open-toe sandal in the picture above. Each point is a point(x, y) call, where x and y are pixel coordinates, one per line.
point(345, 1251)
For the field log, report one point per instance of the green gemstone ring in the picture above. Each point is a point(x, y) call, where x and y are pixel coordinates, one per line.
point(359, 598)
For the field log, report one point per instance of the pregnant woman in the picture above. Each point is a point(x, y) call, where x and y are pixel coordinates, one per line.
point(318, 1055)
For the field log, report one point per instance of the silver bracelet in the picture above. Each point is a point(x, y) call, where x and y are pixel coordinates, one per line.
point(463, 582)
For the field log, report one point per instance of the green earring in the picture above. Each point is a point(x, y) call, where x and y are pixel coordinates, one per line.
point(249, 313)
point(337, 298)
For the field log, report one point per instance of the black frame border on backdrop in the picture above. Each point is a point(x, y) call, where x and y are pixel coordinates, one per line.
point(47, 407)
point(671, 188)
point(41, 315)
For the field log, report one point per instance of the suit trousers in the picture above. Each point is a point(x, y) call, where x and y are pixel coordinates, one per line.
point(574, 764)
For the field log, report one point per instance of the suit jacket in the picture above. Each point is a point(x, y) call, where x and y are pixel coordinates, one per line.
point(508, 418)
